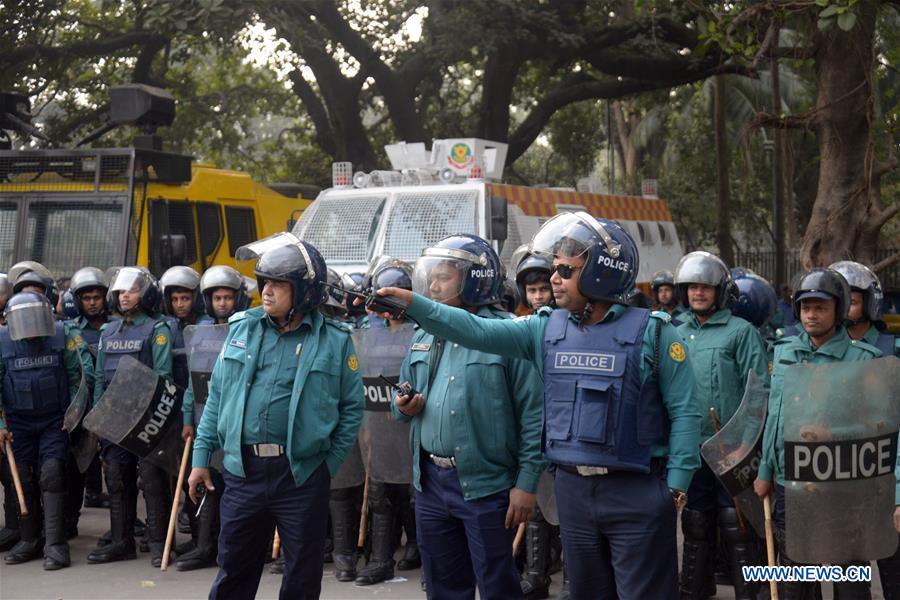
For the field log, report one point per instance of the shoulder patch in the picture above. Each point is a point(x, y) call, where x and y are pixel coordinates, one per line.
point(676, 352)
point(353, 363)
point(161, 340)
point(661, 315)
point(70, 345)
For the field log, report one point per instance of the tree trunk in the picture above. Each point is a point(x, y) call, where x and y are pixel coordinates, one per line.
point(723, 192)
point(625, 125)
point(845, 217)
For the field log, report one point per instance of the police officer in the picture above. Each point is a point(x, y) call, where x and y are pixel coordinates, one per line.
point(36, 349)
point(723, 349)
point(335, 305)
point(389, 502)
point(9, 534)
point(864, 323)
point(143, 334)
point(285, 404)
point(224, 294)
point(618, 480)
point(476, 464)
point(356, 313)
point(533, 278)
point(87, 296)
point(183, 303)
point(664, 297)
point(4, 296)
point(821, 302)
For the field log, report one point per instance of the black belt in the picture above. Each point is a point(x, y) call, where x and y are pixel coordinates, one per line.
point(657, 467)
point(265, 450)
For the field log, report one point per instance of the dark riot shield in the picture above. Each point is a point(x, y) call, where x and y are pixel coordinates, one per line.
point(734, 453)
point(203, 344)
point(383, 441)
point(840, 450)
point(141, 412)
point(82, 442)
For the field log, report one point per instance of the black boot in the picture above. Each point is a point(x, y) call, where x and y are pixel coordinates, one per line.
point(535, 582)
point(121, 483)
point(381, 567)
point(698, 554)
point(277, 566)
point(411, 557)
point(343, 528)
point(742, 550)
point(74, 489)
point(30, 544)
point(56, 548)
point(204, 555)
point(889, 572)
point(156, 494)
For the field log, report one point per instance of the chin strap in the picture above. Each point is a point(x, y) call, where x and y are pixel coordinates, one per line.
point(287, 321)
point(854, 322)
point(585, 315)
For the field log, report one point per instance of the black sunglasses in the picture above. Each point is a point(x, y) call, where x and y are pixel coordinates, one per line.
point(565, 271)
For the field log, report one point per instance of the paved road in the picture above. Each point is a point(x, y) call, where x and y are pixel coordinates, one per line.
point(137, 579)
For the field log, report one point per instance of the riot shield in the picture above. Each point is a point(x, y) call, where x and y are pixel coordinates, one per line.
point(383, 441)
point(141, 412)
point(82, 442)
point(351, 472)
point(546, 498)
point(840, 448)
point(203, 344)
point(733, 454)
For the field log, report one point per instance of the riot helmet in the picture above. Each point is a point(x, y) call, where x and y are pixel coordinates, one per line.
point(390, 273)
point(30, 273)
point(138, 280)
point(477, 268)
point(334, 306)
point(532, 269)
point(354, 282)
point(4, 290)
point(181, 279)
point(283, 257)
point(823, 283)
point(29, 315)
point(659, 279)
point(611, 256)
point(862, 279)
point(69, 305)
point(757, 301)
point(223, 276)
point(510, 299)
point(707, 269)
point(85, 279)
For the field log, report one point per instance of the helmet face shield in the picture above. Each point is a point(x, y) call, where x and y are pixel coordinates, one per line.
point(567, 234)
point(440, 278)
point(29, 315)
point(130, 279)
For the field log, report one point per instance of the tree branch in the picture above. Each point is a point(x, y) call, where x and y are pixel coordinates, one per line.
point(316, 111)
point(85, 48)
point(886, 215)
point(886, 263)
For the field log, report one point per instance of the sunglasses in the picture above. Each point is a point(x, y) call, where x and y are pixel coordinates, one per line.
point(565, 271)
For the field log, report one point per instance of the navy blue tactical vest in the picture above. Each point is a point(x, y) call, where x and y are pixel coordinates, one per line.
point(180, 371)
point(35, 382)
point(596, 410)
point(134, 340)
point(886, 344)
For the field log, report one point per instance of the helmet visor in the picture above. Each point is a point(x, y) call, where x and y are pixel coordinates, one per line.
point(440, 278)
point(30, 318)
point(130, 279)
point(701, 267)
point(256, 250)
point(571, 235)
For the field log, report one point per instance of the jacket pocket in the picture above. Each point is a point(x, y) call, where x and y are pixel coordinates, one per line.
point(559, 404)
point(23, 398)
point(594, 419)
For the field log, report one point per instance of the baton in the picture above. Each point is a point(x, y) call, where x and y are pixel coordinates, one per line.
point(737, 509)
point(520, 533)
point(364, 515)
point(176, 503)
point(23, 508)
point(276, 545)
point(770, 545)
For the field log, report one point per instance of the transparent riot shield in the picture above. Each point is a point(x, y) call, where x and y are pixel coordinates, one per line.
point(546, 497)
point(351, 472)
point(203, 344)
point(840, 449)
point(734, 453)
point(82, 442)
point(383, 441)
point(141, 412)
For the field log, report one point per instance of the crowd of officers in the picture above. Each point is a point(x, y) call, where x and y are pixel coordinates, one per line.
point(612, 400)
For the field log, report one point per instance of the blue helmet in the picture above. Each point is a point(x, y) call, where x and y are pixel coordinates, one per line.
point(391, 273)
point(611, 256)
point(474, 260)
point(69, 307)
point(354, 282)
point(756, 301)
point(300, 265)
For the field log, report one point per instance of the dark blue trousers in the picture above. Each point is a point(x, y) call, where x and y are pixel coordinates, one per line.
point(250, 507)
point(463, 543)
point(37, 438)
point(618, 534)
point(706, 494)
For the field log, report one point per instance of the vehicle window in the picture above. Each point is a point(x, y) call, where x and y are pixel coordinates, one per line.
point(241, 227)
point(9, 214)
point(342, 228)
point(421, 219)
point(209, 227)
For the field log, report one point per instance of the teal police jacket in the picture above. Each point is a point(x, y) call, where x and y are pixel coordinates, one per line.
point(524, 338)
point(794, 350)
point(326, 406)
point(722, 350)
point(484, 409)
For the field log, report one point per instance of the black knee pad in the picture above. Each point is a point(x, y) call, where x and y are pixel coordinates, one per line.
point(53, 475)
point(343, 494)
point(154, 479)
point(730, 525)
point(695, 524)
point(115, 477)
point(378, 497)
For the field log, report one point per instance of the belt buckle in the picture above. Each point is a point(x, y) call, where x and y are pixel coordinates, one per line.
point(443, 461)
point(268, 450)
point(587, 470)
